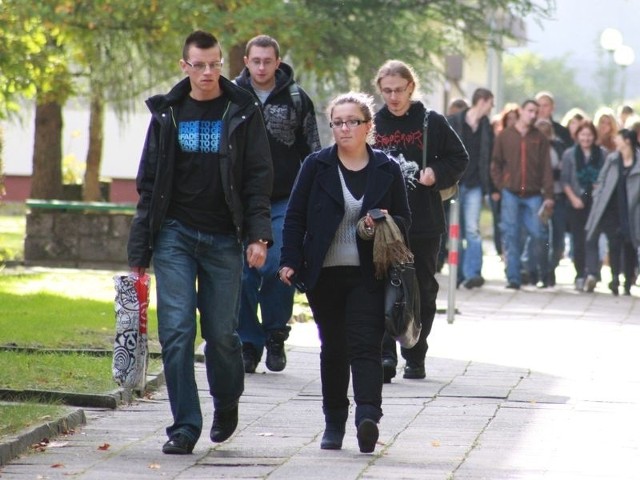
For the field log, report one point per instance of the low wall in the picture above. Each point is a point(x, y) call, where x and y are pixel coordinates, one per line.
point(77, 234)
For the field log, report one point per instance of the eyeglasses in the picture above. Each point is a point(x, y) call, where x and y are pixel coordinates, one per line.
point(201, 67)
point(256, 62)
point(349, 123)
point(387, 92)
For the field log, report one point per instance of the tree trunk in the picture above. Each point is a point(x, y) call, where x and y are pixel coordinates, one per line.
point(46, 182)
point(91, 190)
point(236, 60)
point(2, 190)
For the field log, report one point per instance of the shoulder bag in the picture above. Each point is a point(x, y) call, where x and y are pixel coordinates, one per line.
point(402, 304)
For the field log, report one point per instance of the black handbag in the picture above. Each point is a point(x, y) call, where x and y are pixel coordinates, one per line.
point(402, 305)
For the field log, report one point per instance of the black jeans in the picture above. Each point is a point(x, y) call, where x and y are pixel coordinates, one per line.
point(622, 254)
point(425, 252)
point(577, 222)
point(350, 321)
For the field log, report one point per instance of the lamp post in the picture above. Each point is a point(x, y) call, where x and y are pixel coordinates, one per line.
point(623, 56)
point(610, 40)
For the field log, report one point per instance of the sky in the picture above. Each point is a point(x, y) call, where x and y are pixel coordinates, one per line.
point(575, 31)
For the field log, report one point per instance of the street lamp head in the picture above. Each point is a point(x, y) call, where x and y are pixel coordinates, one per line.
point(610, 39)
point(624, 55)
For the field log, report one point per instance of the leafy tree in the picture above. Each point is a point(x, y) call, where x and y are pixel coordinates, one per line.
point(527, 73)
point(113, 50)
point(344, 43)
point(35, 65)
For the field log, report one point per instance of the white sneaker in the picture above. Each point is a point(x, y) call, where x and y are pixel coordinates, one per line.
point(590, 283)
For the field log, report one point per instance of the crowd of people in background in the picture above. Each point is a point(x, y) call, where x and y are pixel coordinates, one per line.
point(555, 172)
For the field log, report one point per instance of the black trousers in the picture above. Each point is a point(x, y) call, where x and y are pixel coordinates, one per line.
point(425, 252)
point(622, 254)
point(350, 321)
point(577, 222)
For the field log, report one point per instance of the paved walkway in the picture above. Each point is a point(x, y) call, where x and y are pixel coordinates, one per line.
point(529, 384)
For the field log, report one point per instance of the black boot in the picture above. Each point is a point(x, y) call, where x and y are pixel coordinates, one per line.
point(224, 424)
point(388, 369)
point(367, 435)
point(332, 437)
point(276, 356)
point(335, 420)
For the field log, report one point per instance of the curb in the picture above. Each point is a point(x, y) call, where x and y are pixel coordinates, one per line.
point(110, 400)
point(13, 447)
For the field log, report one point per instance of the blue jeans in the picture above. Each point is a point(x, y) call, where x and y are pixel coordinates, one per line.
point(517, 212)
point(471, 248)
point(260, 286)
point(184, 257)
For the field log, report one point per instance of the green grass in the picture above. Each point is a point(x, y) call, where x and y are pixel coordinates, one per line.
point(76, 373)
point(16, 417)
point(56, 309)
point(12, 231)
point(62, 309)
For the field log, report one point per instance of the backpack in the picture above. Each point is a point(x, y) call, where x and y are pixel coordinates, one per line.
point(294, 93)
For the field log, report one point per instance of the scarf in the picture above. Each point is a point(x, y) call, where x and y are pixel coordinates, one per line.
point(389, 247)
point(587, 173)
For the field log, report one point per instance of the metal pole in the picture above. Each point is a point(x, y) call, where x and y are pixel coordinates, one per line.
point(454, 240)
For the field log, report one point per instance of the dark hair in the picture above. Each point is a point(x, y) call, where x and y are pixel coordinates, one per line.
point(631, 135)
point(199, 39)
point(589, 126)
point(263, 41)
point(528, 101)
point(481, 94)
point(456, 105)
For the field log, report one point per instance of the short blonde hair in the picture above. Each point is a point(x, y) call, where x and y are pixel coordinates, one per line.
point(363, 101)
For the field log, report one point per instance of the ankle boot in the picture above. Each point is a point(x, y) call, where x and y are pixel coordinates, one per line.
point(332, 437)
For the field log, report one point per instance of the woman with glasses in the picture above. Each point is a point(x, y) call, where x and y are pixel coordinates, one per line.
point(400, 129)
point(328, 251)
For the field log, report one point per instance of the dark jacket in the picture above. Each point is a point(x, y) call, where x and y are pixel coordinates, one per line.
point(446, 155)
point(605, 188)
point(245, 165)
point(526, 175)
point(292, 136)
point(562, 133)
point(483, 157)
point(316, 208)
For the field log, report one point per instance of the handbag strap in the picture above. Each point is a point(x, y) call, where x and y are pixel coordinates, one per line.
point(424, 138)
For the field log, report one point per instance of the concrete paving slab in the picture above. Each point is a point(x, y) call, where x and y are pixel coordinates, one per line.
point(533, 384)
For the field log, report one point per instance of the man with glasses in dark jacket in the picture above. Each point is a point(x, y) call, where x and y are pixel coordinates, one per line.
point(204, 183)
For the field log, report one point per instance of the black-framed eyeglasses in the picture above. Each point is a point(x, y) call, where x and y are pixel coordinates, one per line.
point(348, 123)
point(201, 67)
